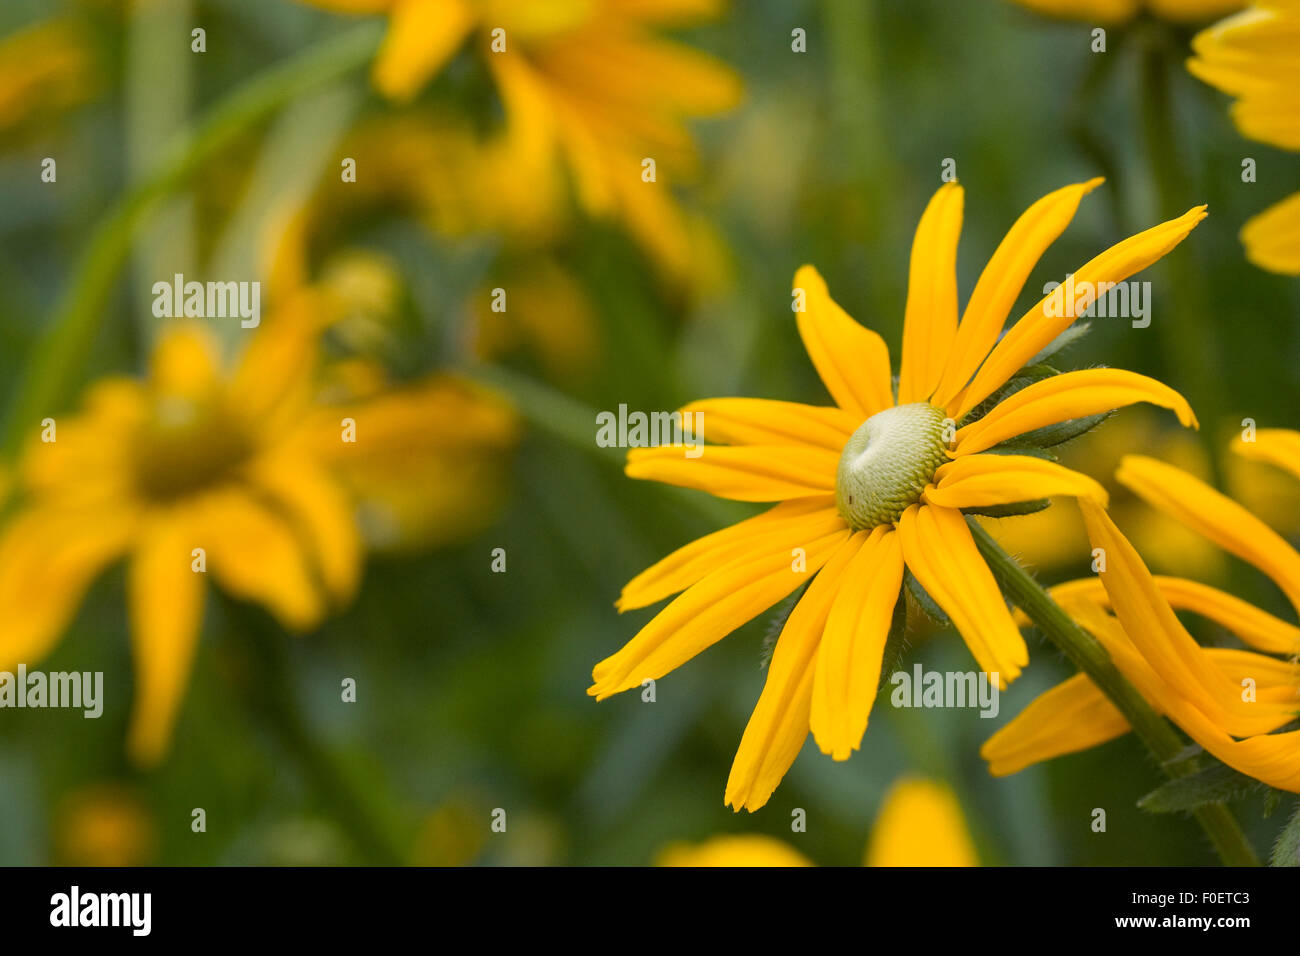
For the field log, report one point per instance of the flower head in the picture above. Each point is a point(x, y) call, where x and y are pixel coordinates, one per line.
point(878, 483)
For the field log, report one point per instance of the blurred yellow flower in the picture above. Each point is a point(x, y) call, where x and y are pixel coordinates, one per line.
point(243, 475)
point(1216, 695)
point(1255, 57)
point(920, 823)
point(587, 86)
point(104, 824)
point(45, 69)
point(877, 484)
point(1119, 11)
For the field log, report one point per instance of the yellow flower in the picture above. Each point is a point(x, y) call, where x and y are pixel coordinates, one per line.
point(586, 86)
point(250, 467)
point(104, 824)
point(920, 823)
point(877, 483)
point(1255, 57)
point(1203, 690)
point(1120, 11)
point(46, 69)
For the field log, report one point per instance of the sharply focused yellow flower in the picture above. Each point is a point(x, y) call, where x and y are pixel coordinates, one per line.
point(587, 86)
point(1255, 57)
point(877, 483)
point(920, 823)
point(1120, 11)
point(245, 476)
point(1215, 695)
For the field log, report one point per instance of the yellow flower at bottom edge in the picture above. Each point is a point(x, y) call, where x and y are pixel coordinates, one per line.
point(875, 484)
point(1255, 57)
point(1120, 11)
point(248, 467)
point(920, 823)
point(1229, 701)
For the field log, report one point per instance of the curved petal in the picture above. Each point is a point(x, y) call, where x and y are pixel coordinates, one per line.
point(1041, 324)
point(930, 322)
point(165, 596)
point(744, 473)
point(1215, 516)
point(974, 481)
point(1272, 238)
point(779, 725)
point(760, 421)
point(853, 645)
point(939, 550)
point(1066, 396)
point(422, 36)
point(1000, 283)
point(852, 361)
point(1277, 446)
point(707, 612)
point(780, 528)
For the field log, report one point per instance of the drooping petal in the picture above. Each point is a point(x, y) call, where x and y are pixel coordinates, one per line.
point(780, 528)
point(1041, 324)
point(779, 725)
point(422, 36)
point(1277, 446)
point(930, 322)
point(743, 473)
point(940, 552)
point(853, 644)
point(1215, 516)
point(920, 824)
point(1063, 397)
point(760, 421)
point(853, 361)
point(1001, 281)
point(1073, 716)
point(733, 849)
point(974, 481)
point(708, 611)
point(165, 596)
point(1272, 238)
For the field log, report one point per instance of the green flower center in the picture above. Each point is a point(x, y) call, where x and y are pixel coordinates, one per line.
point(887, 463)
point(187, 445)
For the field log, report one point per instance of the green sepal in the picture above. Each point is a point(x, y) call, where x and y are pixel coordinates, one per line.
point(1049, 436)
point(923, 600)
point(1010, 510)
point(1217, 783)
point(1286, 851)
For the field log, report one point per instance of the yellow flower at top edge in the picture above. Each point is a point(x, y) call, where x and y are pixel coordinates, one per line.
point(1121, 11)
point(248, 466)
point(876, 483)
point(586, 85)
point(1228, 700)
point(1255, 57)
point(45, 69)
point(920, 823)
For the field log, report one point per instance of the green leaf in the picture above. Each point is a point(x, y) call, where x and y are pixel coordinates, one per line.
point(1217, 783)
point(1286, 851)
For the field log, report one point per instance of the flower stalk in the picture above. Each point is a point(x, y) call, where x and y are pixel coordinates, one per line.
point(1085, 653)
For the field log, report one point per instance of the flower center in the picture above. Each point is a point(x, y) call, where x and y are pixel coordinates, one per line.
point(887, 463)
point(186, 445)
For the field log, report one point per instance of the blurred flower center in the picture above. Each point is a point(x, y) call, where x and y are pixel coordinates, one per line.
point(887, 463)
point(186, 445)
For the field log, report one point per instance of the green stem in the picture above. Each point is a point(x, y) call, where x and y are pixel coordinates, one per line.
point(56, 361)
point(1091, 658)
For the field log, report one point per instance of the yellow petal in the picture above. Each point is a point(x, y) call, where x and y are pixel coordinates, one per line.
point(853, 645)
point(1063, 397)
point(779, 725)
point(422, 36)
point(760, 421)
point(1072, 716)
point(780, 528)
point(1277, 446)
point(742, 849)
point(254, 555)
point(1215, 516)
point(930, 320)
point(852, 361)
point(185, 362)
point(940, 552)
point(709, 611)
point(920, 824)
point(744, 473)
point(1272, 238)
point(1000, 283)
point(165, 596)
point(974, 481)
point(1039, 326)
